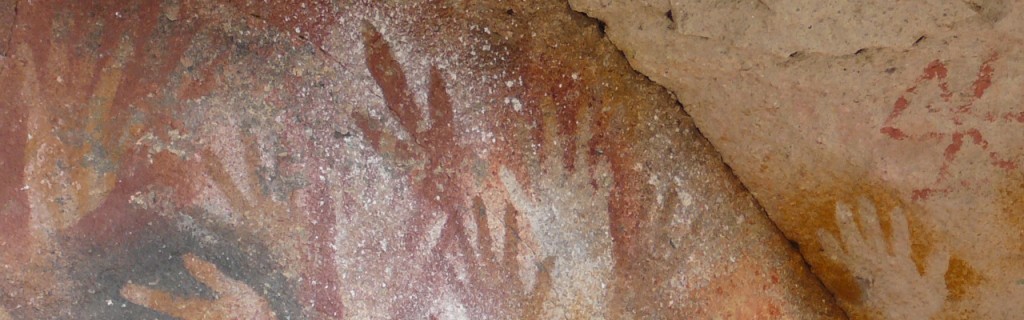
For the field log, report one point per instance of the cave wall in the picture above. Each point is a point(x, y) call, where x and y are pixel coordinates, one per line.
point(881, 136)
point(351, 159)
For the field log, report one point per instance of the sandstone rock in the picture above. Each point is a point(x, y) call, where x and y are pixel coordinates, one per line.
point(829, 111)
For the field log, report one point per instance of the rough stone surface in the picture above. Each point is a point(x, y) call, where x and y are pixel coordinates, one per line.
point(7, 14)
point(882, 136)
point(323, 160)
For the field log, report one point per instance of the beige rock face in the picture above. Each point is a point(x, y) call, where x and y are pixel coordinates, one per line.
point(883, 137)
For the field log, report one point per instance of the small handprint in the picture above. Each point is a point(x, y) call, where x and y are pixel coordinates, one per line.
point(234, 299)
point(889, 278)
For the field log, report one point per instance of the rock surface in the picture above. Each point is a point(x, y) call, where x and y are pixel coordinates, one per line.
point(323, 160)
point(831, 111)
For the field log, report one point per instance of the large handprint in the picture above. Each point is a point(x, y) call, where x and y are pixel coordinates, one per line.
point(889, 279)
point(235, 299)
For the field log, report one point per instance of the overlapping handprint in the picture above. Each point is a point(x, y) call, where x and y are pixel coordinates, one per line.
point(435, 160)
point(302, 233)
point(100, 96)
point(79, 118)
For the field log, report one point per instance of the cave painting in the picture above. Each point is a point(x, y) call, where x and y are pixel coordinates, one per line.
point(930, 111)
point(437, 183)
point(233, 299)
point(105, 166)
point(883, 266)
point(169, 160)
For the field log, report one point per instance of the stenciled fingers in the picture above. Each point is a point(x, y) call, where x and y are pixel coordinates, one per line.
point(900, 233)
point(163, 302)
point(936, 267)
point(208, 274)
point(831, 246)
point(233, 299)
point(871, 226)
point(848, 231)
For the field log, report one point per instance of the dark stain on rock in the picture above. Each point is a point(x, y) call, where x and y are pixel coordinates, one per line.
point(111, 67)
point(153, 258)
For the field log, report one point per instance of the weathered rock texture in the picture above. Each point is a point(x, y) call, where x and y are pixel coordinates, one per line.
point(324, 160)
point(829, 110)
